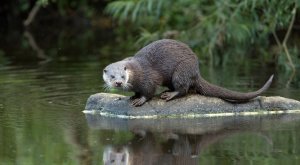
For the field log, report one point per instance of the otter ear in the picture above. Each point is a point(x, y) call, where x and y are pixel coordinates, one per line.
point(125, 68)
point(104, 70)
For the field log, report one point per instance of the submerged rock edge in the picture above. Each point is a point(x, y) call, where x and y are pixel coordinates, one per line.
point(114, 105)
point(207, 115)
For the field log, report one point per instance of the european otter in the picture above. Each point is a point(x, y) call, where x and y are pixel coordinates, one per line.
point(171, 64)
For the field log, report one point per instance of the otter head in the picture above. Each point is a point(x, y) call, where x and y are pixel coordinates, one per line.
point(116, 75)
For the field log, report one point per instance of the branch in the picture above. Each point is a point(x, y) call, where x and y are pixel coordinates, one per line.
point(32, 14)
point(40, 52)
point(287, 35)
point(284, 46)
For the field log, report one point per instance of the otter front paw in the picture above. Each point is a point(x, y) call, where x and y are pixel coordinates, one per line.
point(135, 96)
point(139, 101)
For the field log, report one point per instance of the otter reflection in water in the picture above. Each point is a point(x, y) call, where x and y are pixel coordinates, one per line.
point(165, 148)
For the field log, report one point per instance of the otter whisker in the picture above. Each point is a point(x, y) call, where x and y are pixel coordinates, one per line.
point(127, 86)
point(106, 87)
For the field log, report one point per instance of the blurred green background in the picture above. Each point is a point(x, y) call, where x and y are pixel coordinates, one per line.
point(220, 32)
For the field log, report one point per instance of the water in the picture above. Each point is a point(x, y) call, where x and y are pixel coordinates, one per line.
point(39, 108)
point(41, 121)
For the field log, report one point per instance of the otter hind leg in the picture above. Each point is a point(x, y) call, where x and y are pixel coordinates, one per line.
point(170, 89)
point(169, 95)
point(181, 83)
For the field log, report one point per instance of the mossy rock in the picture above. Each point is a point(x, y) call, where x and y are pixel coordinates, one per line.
point(189, 106)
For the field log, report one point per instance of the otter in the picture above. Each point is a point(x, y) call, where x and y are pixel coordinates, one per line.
point(171, 64)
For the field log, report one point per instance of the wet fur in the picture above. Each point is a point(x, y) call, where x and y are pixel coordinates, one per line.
point(171, 64)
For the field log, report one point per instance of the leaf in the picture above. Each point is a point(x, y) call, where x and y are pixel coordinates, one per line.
point(136, 11)
point(149, 6)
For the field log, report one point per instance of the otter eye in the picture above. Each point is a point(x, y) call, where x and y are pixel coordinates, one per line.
point(112, 76)
point(123, 77)
point(104, 70)
point(125, 68)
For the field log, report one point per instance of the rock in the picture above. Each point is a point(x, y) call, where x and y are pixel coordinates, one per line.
point(192, 105)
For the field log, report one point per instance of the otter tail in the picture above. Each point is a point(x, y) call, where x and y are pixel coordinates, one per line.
point(207, 89)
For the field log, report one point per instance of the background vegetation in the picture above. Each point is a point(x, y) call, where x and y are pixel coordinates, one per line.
point(221, 32)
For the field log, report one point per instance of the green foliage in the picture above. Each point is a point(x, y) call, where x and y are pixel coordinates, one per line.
point(45, 2)
point(210, 27)
point(135, 10)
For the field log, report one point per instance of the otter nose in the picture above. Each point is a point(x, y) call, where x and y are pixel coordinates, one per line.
point(118, 84)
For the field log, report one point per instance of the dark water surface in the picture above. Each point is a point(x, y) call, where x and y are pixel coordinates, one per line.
point(41, 121)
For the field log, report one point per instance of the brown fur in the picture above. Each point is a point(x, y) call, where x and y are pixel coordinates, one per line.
point(172, 64)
